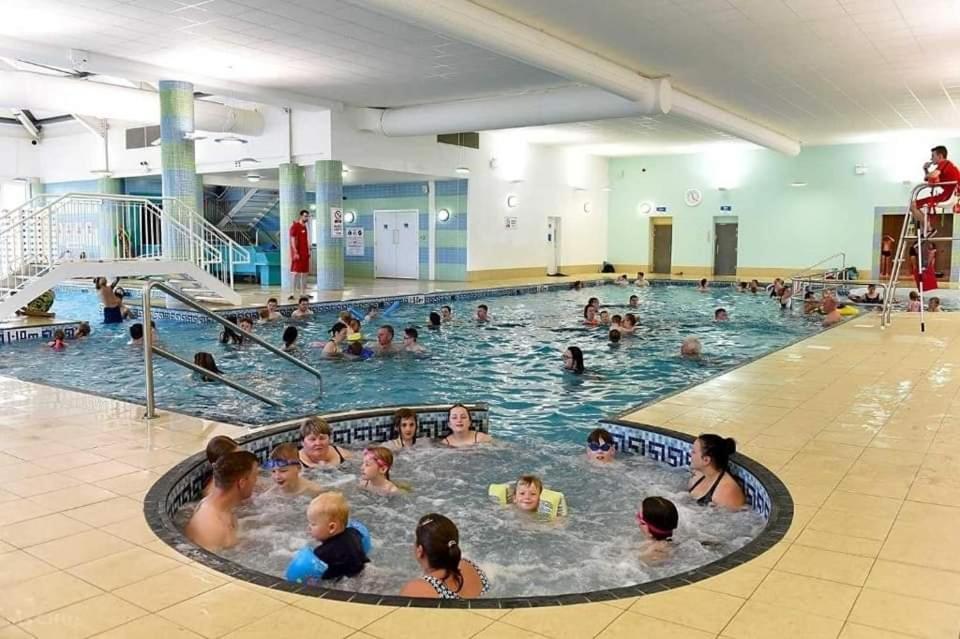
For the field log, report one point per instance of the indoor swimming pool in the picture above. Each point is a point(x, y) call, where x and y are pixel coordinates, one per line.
point(513, 362)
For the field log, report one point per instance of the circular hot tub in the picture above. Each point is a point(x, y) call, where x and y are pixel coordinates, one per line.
point(588, 556)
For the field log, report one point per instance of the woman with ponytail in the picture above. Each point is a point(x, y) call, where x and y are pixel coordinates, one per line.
point(446, 574)
point(712, 482)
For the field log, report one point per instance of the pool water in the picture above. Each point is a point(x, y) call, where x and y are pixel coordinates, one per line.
point(513, 363)
point(597, 546)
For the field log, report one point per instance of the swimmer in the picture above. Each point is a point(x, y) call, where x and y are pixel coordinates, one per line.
point(576, 286)
point(691, 348)
point(810, 303)
point(720, 315)
point(483, 313)
point(373, 312)
point(616, 321)
point(136, 333)
point(344, 316)
point(590, 315)
point(594, 302)
point(622, 280)
point(526, 496)
point(206, 362)
point(83, 330)
point(742, 287)
point(290, 335)
point(217, 447)
point(459, 422)
point(317, 449)
point(303, 308)
point(913, 306)
point(263, 315)
point(446, 314)
point(754, 286)
point(385, 344)
point(434, 321)
point(338, 335)
point(786, 297)
point(228, 335)
point(446, 574)
point(600, 446)
point(353, 326)
point(703, 286)
point(710, 462)
point(58, 343)
point(870, 297)
point(658, 518)
point(641, 281)
point(405, 426)
point(375, 471)
point(341, 547)
point(272, 312)
point(614, 337)
point(356, 349)
point(410, 343)
point(112, 313)
point(284, 467)
point(776, 289)
point(934, 306)
point(629, 325)
point(573, 360)
point(213, 525)
point(605, 318)
point(634, 302)
point(246, 324)
point(831, 314)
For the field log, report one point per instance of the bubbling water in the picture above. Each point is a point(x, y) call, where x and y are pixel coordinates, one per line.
point(598, 546)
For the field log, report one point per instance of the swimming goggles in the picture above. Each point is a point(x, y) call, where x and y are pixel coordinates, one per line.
point(654, 529)
point(270, 464)
point(369, 454)
point(596, 448)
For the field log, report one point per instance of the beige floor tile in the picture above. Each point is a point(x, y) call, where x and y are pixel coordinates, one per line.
point(169, 588)
point(826, 598)
point(813, 495)
point(34, 597)
point(694, 607)
point(234, 606)
point(569, 621)
point(130, 483)
point(106, 512)
point(839, 543)
point(40, 484)
point(5, 547)
point(851, 524)
point(102, 470)
point(757, 620)
point(416, 623)
point(739, 582)
point(79, 548)
point(859, 631)
point(124, 568)
point(920, 544)
point(69, 498)
point(915, 581)
point(908, 615)
point(356, 616)
point(14, 632)
point(498, 613)
point(824, 564)
point(770, 558)
point(292, 623)
point(894, 487)
point(150, 627)
point(801, 517)
point(932, 515)
point(630, 625)
point(18, 566)
point(863, 504)
point(133, 529)
point(83, 619)
point(43, 450)
point(494, 631)
point(21, 510)
point(162, 548)
point(40, 530)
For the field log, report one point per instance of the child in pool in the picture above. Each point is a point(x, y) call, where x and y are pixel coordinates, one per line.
point(600, 446)
point(341, 548)
point(658, 518)
point(284, 466)
point(217, 447)
point(355, 347)
point(458, 419)
point(406, 426)
point(375, 471)
point(58, 343)
point(290, 335)
point(526, 495)
point(913, 306)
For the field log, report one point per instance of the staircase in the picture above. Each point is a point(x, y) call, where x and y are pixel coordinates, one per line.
point(52, 238)
point(249, 210)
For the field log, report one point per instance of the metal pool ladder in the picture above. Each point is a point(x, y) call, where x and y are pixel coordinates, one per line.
point(149, 349)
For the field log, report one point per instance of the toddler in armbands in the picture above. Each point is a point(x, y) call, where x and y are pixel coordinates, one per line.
point(529, 495)
point(343, 548)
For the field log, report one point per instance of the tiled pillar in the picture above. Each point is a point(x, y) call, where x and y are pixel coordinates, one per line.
point(178, 160)
point(110, 223)
point(329, 249)
point(293, 199)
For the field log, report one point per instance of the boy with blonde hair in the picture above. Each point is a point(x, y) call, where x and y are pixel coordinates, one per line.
point(341, 548)
point(527, 495)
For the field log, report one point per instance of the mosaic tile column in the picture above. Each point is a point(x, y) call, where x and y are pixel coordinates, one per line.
point(329, 249)
point(293, 199)
point(111, 245)
point(178, 159)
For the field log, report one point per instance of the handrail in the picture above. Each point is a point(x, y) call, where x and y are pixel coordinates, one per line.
point(149, 348)
point(220, 378)
point(212, 228)
point(807, 271)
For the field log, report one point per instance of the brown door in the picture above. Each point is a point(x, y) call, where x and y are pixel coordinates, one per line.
point(662, 248)
point(892, 225)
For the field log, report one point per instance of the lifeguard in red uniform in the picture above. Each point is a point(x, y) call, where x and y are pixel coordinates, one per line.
point(300, 252)
point(939, 170)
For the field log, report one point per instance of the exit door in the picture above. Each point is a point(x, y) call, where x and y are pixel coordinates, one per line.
point(396, 244)
point(725, 249)
point(662, 248)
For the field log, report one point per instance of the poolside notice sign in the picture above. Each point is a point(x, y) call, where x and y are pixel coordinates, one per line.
point(726, 207)
point(355, 241)
point(336, 221)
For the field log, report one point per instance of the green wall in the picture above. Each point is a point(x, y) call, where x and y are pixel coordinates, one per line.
point(780, 227)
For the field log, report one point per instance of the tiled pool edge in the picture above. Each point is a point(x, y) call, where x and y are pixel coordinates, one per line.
point(158, 513)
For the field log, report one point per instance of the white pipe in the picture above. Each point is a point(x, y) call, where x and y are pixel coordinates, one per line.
point(554, 106)
point(469, 22)
point(490, 30)
point(51, 93)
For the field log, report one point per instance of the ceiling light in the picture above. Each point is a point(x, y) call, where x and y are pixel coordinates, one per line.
point(21, 179)
point(722, 188)
point(443, 215)
point(230, 139)
point(513, 201)
point(253, 177)
point(103, 172)
point(193, 135)
point(586, 207)
point(797, 183)
point(606, 189)
point(462, 170)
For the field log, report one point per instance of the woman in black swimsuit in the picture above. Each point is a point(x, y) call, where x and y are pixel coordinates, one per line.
point(712, 482)
point(317, 448)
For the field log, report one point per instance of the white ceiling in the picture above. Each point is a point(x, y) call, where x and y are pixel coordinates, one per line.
point(816, 69)
point(270, 177)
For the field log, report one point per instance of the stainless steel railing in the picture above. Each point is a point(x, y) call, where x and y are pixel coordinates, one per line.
point(149, 349)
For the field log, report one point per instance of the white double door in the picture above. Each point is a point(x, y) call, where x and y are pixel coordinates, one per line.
point(396, 244)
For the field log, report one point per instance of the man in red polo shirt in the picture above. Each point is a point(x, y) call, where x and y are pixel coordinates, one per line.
point(300, 252)
point(939, 170)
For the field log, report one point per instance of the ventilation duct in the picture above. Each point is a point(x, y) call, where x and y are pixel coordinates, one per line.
point(20, 89)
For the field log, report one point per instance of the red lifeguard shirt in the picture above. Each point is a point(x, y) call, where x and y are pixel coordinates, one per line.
point(948, 173)
point(298, 238)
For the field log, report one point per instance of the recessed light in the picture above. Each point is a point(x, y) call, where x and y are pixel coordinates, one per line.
point(462, 170)
point(230, 139)
point(350, 217)
point(253, 177)
point(21, 179)
point(443, 215)
point(797, 184)
point(606, 189)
